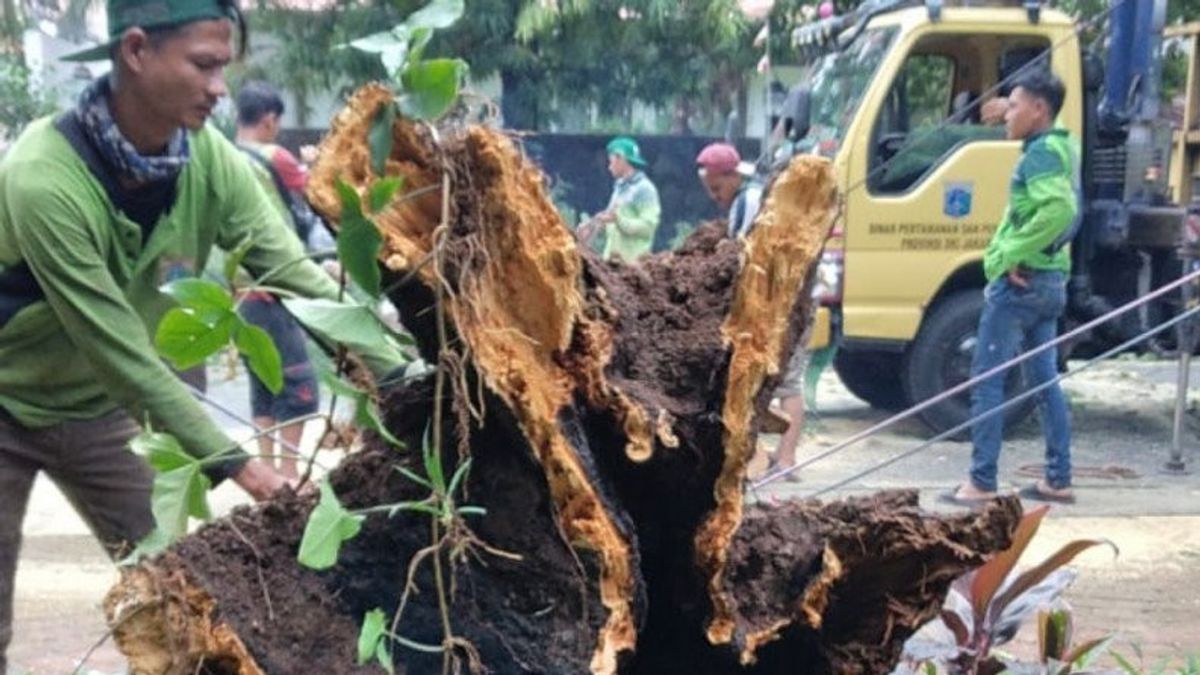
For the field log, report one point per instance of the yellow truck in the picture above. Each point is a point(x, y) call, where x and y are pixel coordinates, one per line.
point(895, 94)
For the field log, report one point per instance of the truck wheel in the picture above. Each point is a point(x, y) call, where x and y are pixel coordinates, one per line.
point(940, 358)
point(873, 376)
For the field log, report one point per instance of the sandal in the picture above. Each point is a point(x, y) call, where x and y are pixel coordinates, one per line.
point(1035, 493)
point(952, 497)
point(773, 465)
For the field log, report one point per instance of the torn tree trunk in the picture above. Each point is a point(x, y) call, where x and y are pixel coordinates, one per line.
point(609, 411)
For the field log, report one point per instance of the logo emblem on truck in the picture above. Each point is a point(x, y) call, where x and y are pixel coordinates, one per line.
point(956, 201)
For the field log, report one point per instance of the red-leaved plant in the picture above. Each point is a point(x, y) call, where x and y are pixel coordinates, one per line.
point(987, 606)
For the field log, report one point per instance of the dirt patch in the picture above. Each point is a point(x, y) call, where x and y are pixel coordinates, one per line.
point(668, 347)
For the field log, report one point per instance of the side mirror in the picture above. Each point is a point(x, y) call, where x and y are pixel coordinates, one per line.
point(796, 113)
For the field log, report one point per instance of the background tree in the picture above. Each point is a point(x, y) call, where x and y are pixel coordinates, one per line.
point(691, 57)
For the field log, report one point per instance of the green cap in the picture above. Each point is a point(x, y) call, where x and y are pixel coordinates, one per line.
point(147, 14)
point(626, 147)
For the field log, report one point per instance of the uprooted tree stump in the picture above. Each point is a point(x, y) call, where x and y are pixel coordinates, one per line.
point(609, 411)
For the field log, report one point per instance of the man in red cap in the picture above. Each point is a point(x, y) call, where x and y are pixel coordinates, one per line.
point(731, 185)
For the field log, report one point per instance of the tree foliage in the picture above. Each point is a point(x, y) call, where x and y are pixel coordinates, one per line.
point(691, 58)
point(20, 101)
point(691, 55)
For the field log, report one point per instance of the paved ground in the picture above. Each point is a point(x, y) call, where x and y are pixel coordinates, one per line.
point(1149, 596)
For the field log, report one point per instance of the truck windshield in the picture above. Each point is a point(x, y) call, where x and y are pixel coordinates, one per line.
point(838, 83)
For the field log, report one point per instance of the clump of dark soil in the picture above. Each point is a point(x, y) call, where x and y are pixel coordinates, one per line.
point(285, 613)
point(525, 615)
point(853, 579)
point(668, 346)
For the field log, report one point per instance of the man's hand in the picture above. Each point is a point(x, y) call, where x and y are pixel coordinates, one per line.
point(260, 480)
point(1015, 278)
point(992, 111)
point(594, 225)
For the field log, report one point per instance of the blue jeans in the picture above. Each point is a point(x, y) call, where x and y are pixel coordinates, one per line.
point(1013, 318)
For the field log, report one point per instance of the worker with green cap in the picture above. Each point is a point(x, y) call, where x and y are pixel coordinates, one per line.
point(100, 206)
point(633, 211)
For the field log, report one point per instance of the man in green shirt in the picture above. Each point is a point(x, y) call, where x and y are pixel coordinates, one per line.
point(98, 207)
point(1026, 265)
point(633, 211)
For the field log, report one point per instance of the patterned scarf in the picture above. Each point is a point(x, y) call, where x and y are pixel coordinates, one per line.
point(96, 120)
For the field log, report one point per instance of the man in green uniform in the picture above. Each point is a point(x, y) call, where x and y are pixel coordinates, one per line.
point(633, 211)
point(98, 207)
point(1026, 266)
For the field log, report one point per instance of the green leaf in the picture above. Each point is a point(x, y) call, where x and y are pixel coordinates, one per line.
point(437, 14)
point(433, 464)
point(380, 139)
point(1052, 633)
point(365, 414)
point(1081, 656)
point(186, 341)
point(352, 325)
point(374, 629)
point(358, 248)
point(431, 87)
point(328, 526)
point(472, 511)
point(413, 477)
point(382, 192)
point(393, 59)
point(162, 451)
point(420, 37)
point(261, 355)
point(420, 507)
point(177, 494)
point(1124, 663)
point(358, 242)
point(459, 476)
point(233, 260)
point(377, 43)
point(384, 654)
point(207, 299)
point(152, 544)
point(351, 202)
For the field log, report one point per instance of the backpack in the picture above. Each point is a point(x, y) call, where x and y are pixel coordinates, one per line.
point(309, 226)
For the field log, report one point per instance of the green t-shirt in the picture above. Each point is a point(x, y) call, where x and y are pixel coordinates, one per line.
point(86, 348)
point(1043, 203)
point(635, 203)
